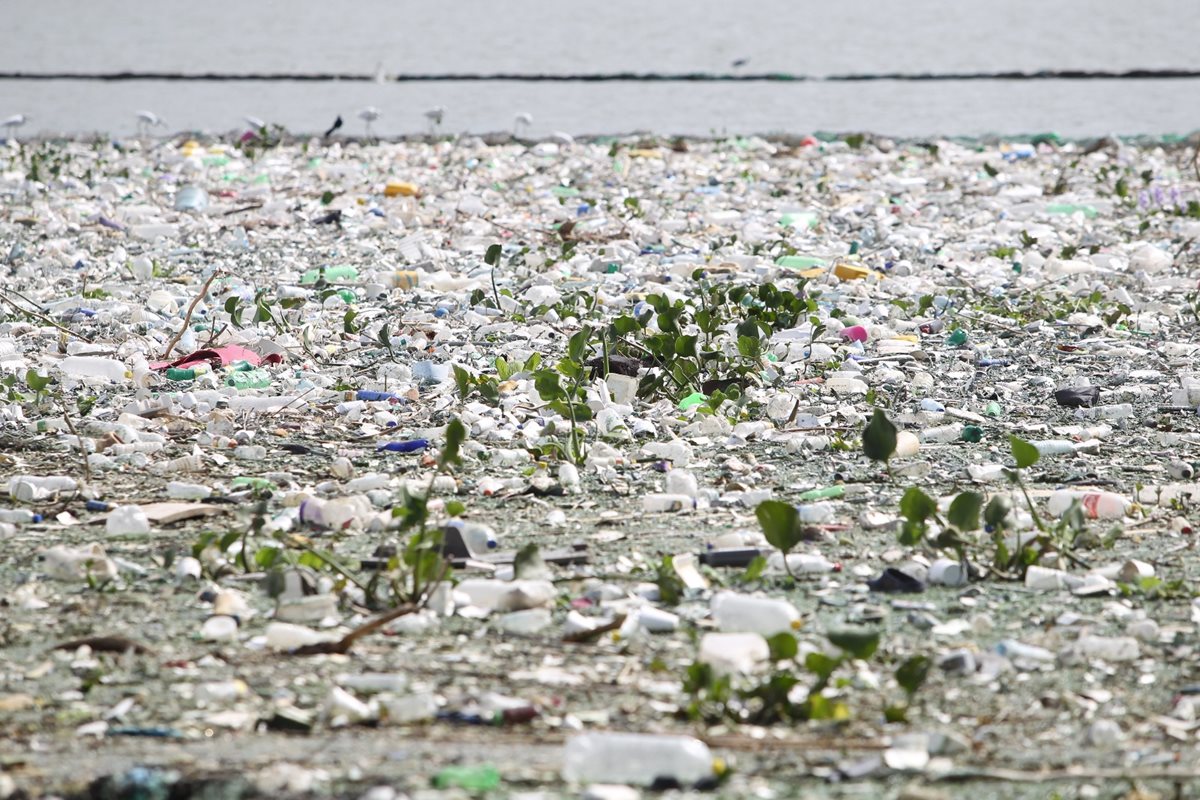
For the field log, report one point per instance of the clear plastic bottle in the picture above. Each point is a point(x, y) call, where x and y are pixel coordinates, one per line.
point(635, 758)
point(1096, 505)
point(942, 434)
point(95, 367)
point(747, 614)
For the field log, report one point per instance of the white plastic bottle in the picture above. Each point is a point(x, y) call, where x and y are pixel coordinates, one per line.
point(665, 503)
point(94, 367)
point(336, 514)
point(635, 758)
point(748, 614)
point(478, 538)
point(801, 563)
point(27, 488)
point(1096, 505)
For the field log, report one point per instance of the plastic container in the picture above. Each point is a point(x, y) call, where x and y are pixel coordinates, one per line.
point(747, 614)
point(636, 758)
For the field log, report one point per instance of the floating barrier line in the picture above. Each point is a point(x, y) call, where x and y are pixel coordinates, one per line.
point(608, 77)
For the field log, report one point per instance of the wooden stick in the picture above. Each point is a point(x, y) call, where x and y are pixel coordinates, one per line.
point(187, 318)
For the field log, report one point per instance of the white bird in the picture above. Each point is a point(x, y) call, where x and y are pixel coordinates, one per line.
point(522, 122)
point(435, 116)
point(148, 120)
point(11, 124)
point(255, 123)
point(369, 115)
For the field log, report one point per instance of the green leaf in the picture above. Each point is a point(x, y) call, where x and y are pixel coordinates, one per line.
point(228, 539)
point(327, 197)
point(879, 437)
point(463, 380)
point(456, 434)
point(348, 325)
point(754, 569)
point(895, 714)
point(964, 511)
point(492, 257)
point(821, 665)
point(912, 674)
point(780, 523)
point(577, 344)
point(1025, 453)
point(997, 510)
point(916, 506)
point(783, 646)
point(990, 170)
point(455, 508)
point(686, 346)
point(35, 381)
point(858, 643)
point(749, 347)
point(266, 556)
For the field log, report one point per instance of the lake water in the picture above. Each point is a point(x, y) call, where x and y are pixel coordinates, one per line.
point(538, 36)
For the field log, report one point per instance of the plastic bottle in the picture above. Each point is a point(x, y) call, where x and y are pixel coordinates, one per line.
point(19, 516)
point(177, 490)
point(681, 481)
point(1014, 650)
point(126, 520)
point(28, 488)
point(412, 446)
point(802, 563)
point(942, 434)
point(95, 367)
point(1117, 411)
point(747, 614)
point(827, 493)
point(286, 636)
point(472, 778)
point(337, 514)
point(478, 538)
point(636, 758)
point(666, 503)
point(248, 379)
point(1106, 648)
point(1096, 505)
point(815, 513)
point(187, 373)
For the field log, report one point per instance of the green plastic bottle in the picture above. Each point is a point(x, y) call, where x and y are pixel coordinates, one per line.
point(251, 379)
point(480, 778)
point(331, 274)
point(827, 493)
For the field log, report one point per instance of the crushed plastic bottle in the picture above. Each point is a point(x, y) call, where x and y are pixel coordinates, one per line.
point(635, 758)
